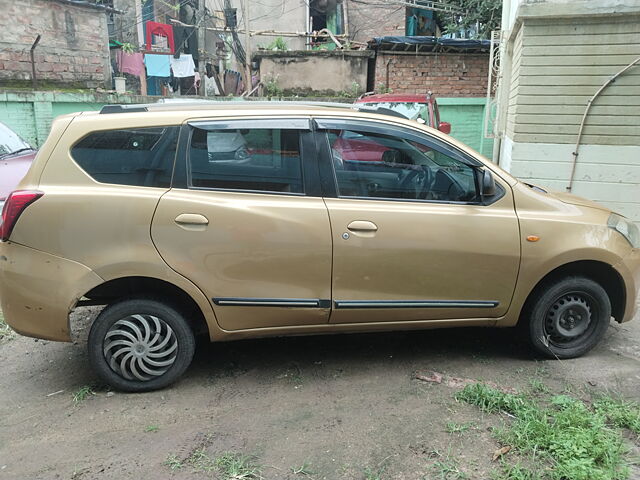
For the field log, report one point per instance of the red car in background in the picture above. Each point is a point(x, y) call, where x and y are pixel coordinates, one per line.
point(423, 108)
point(16, 157)
point(420, 107)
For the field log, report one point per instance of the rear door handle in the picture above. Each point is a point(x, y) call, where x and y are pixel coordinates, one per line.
point(192, 221)
point(362, 226)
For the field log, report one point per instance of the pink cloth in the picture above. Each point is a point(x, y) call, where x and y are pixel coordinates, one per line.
point(132, 63)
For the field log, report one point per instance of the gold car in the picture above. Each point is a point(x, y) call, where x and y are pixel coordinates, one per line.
point(252, 220)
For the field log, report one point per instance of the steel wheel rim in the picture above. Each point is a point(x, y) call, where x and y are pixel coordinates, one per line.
point(140, 347)
point(570, 319)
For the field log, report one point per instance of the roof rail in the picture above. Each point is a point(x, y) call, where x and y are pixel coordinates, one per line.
point(160, 106)
point(123, 108)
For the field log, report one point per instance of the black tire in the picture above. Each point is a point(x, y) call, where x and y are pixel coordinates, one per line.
point(149, 336)
point(568, 317)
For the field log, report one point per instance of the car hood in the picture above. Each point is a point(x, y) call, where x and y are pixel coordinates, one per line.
point(12, 169)
point(568, 198)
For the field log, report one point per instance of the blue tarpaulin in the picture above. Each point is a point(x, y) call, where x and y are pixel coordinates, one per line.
point(428, 43)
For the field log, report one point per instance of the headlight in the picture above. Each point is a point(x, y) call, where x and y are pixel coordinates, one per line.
point(627, 229)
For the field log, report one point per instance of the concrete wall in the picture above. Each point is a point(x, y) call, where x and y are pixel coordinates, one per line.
point(73, 49)
point(375, 19)
point(316, 73)
point(30, 113)
point(556, 57)
point(466, 116)
point(279, 15)
point(445, 74)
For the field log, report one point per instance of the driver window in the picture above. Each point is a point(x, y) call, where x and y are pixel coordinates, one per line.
point(374, 165)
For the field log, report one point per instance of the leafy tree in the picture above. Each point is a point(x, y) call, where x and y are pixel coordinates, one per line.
point(474, 19)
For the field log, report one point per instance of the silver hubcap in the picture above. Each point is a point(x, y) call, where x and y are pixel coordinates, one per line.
point(140, 347)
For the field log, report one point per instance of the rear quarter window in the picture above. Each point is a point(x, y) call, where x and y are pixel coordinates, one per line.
point(136, 156)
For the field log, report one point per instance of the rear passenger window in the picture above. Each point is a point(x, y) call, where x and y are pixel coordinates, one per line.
point(258, 159)
point(137, 156)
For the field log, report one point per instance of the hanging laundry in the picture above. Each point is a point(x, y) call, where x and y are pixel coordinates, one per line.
point(162, 30)
point(186, 39)
point(130, 63)
point(210, 86)
point(183, 66)
point(157, 65)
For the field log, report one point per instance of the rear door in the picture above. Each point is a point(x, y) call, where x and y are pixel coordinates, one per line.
point(246, 223)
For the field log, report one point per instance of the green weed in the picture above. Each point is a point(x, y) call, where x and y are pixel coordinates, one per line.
point(453, 427)
point(575, 442)
point(619, 413)
point(447, 469)
point(82, 394)
point(537, 386)
point(151, 428)
point(173, 462)
point(304, 469)
point(6, 332)
point(234, 466)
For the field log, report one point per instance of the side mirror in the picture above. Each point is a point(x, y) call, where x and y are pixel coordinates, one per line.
point(445, 127)
point(488, 184)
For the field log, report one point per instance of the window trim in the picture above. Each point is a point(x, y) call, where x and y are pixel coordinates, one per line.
point(323, 124)
point(310, 183)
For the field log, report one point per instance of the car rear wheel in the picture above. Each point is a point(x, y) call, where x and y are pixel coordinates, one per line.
point(568, 317)
point(138, 345)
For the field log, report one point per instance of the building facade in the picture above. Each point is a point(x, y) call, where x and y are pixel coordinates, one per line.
point(73, 48)
point(557, 55)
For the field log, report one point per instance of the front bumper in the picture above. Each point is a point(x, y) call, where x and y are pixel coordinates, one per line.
point(629, 269)
point(38, 290)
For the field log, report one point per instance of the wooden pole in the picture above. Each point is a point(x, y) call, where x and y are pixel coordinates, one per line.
point(33, 62)
point(248, 84)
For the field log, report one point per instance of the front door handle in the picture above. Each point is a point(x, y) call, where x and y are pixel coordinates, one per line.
point(192, 221)
point(363, 226)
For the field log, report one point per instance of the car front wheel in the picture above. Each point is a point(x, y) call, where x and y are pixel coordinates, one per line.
point(568, 317)
point(138, 345)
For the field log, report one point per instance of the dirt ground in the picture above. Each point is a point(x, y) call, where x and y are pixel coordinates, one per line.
point(347, 406)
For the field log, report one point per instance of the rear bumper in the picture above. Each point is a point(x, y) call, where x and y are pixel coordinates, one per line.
point(38, 290)
point(629, 269)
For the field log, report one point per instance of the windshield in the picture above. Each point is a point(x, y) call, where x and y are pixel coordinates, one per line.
point(412, 110)
point(10, 142)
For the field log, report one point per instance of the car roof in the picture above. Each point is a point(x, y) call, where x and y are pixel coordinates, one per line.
point(396, 97)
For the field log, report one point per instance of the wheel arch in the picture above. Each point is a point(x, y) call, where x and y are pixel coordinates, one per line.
point(141, 286)
point(602, 273)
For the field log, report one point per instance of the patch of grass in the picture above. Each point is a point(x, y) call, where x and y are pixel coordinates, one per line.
point(453, 427)
point(620, 413)
point(82, 394)
point(574, 442)
point(173, 462)
point(515, 472)
point(6, 332)
point(151, 428)
point(304, 469)
point(234, 466)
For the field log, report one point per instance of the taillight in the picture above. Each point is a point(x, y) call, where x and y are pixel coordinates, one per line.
point(14, 206)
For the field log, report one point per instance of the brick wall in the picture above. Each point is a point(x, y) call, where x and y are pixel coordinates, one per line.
point(445, 74)
point(73, 49)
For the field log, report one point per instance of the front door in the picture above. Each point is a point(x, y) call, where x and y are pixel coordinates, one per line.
point(412, 238)
point(244, 223)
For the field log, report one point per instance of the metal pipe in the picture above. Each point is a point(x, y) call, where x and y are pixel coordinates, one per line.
point(584, 117)
point(33, 62)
